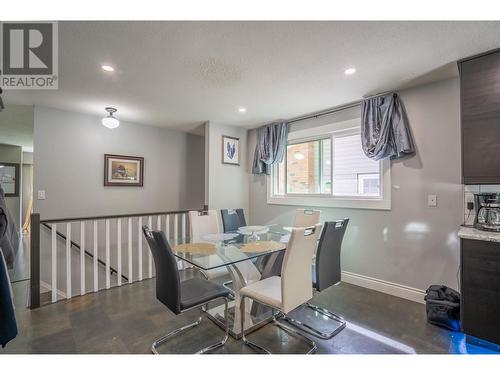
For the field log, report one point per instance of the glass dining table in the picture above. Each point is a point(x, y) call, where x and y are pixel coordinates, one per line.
point(246, 259)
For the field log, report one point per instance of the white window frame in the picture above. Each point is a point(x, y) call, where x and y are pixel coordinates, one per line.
point(351, 127)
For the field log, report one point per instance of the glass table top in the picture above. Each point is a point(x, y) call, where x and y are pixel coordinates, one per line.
point(222, 249)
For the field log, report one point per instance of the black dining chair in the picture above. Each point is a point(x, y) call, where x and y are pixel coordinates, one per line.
point(181, 296)
point(233, 219)
point(326, 272)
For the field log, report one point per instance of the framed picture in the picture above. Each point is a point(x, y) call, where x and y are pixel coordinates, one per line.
point(121, 170)
point(230, 150)
point(9, 179)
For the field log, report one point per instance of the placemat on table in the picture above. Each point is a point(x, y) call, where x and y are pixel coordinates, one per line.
point(257, 246)
point(196, 248)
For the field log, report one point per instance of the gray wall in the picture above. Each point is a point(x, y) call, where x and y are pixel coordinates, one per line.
point(69, 164)
point(69, 160)
point(412, 244)
point(13, 154)
point(228, 185)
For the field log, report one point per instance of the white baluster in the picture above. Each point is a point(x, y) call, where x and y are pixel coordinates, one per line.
point(150, 261)
point(119, 250)
point(68, 260)
point(176, 227)
point(139, 243)
point(82, 258)
point(130, 276)
point(108, 260)
point(184, 226)
point(96, 255)
point(167, 226)
point(54, 262)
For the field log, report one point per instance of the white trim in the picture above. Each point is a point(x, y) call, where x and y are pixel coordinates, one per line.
point(387, 287)
point(360, 202)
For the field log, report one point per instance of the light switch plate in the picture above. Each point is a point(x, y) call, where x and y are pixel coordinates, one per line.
point(41, 194)
point(432, 200)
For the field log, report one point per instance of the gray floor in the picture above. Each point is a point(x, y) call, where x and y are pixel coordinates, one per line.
point(127, 319)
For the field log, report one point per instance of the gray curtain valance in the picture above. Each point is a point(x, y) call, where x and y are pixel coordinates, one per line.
point(385, 132)
point(270, 148)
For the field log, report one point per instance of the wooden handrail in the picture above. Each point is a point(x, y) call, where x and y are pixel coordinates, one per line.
point(89, 218)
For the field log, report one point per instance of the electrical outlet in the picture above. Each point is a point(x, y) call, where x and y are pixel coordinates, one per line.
point(41, 194)
point(432, 200)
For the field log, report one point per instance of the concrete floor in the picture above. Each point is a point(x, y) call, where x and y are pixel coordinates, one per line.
point(129, 318)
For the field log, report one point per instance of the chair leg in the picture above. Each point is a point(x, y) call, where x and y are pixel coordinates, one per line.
point(243, 337)
point(313, 331)
point(220, 343)
point(163, 339)
point(290, 330)
point(296, 333)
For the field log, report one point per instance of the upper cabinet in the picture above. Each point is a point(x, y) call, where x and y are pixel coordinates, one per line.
point(480, 108)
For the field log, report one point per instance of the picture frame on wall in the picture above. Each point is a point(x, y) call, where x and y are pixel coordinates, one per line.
point(230, 150)
point(9, 179)
point(123, 170)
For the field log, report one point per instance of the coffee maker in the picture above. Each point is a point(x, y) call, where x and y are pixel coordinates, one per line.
point(487, 211)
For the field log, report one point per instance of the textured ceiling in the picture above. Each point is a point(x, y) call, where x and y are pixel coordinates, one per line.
point(180, 74)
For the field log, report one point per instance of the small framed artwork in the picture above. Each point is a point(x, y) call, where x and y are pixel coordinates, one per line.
point(121, 170)
point(9, 179)
point(230, 150)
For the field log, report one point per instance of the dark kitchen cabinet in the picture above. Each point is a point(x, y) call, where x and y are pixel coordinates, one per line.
point(480, 289)
point(480, 111)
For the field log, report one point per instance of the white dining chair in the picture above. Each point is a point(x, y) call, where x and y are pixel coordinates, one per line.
point(306, 218)
point(290, 290)
point(203, 223)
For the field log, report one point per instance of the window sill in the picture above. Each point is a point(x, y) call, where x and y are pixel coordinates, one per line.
point(340, 202)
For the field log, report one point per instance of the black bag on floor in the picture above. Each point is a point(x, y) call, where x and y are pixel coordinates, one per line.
point(443, 307)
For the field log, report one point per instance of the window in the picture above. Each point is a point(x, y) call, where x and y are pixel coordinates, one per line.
point(307, 168)
point(330, 169)
point(354, 174)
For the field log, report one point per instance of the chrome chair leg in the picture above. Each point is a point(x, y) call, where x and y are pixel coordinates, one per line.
point(243, 337)
point(163, 339)
point(221, 343)
point(290, 330)
point(313, 331)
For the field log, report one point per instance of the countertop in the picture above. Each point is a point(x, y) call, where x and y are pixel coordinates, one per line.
point(471, 233)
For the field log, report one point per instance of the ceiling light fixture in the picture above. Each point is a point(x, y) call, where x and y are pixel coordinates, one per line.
point(110, 121)
point(350, 71)
point(242, 110)
point(298, 155)
point(107, 68)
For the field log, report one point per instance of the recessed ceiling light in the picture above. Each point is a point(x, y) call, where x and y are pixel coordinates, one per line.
point(242, 110)
point(349, 71)
point(107, 68)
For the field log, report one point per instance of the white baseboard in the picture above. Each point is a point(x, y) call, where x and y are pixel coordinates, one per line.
point(398, 290)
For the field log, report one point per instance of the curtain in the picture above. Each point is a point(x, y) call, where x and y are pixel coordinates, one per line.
point(270, 148)
point(385, 132)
